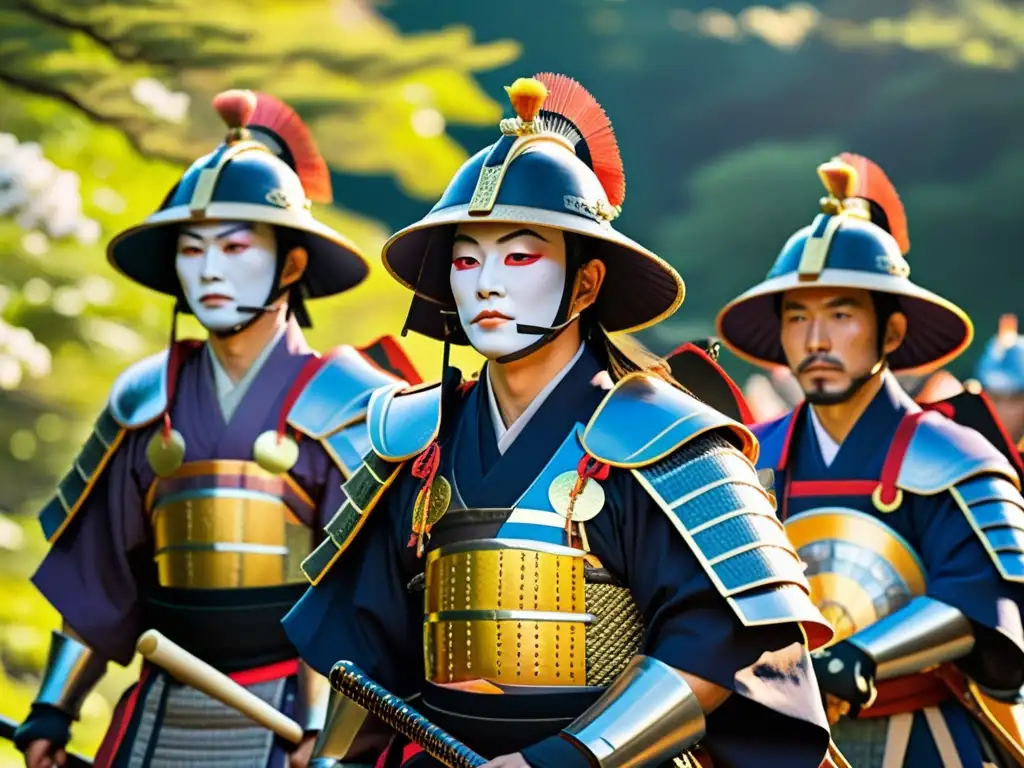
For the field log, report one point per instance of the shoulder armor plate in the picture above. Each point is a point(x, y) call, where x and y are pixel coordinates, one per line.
point(403, 423)
point(994, 508)
point(139, 395)
point(942, 454)
point(338, 394)
point(74, 488)
point(712, 496)
point(644, 419)
point(362, 490)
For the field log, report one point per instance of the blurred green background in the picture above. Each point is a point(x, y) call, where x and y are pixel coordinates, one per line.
point(722, 111)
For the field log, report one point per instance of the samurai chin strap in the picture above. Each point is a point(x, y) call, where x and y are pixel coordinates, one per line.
point(268, 305)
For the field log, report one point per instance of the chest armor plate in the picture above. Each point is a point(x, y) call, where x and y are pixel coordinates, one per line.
point(523, 608)
point(859, 569)
point(228, 525)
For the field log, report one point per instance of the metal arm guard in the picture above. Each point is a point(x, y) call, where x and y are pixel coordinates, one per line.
point(311, 700)
point(647, 716)
point(343, 722)
point(919, 636)
point(72, 671)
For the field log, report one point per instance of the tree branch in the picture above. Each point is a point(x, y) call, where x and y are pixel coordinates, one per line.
point(116, 47)
point(124, 126)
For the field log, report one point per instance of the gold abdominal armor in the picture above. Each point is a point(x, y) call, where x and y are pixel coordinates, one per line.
point(228, 525)
point(523, 613)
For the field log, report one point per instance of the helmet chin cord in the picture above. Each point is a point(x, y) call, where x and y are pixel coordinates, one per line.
point(268, 306)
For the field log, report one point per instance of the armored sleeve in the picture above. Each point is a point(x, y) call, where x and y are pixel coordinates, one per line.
point(693, 537)
point(969, 548)
point(92, 572)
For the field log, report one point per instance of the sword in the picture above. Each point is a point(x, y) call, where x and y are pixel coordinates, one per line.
point(8, 727)
point(350, 680)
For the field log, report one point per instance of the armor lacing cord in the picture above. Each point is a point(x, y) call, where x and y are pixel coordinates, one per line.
point(424, 468)
point(175, 358)
point(887, 496)
point(588, 467)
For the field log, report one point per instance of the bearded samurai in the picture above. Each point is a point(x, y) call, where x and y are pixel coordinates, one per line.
point(202, 486)
point(911, 525)
point(558, 573)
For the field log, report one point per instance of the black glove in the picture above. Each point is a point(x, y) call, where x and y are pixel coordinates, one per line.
point(44, 722)
point(846, 672)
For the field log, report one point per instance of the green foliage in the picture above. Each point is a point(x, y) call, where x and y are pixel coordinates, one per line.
point(119, 94)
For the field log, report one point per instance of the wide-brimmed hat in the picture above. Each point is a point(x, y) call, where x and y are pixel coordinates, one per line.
point(556, 165)
point(845, 247)
point(254, 176)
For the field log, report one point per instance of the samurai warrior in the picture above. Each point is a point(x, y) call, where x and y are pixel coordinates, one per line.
point(1000, 372)
point(555, 571)
point(205, 479)
point(911, 525)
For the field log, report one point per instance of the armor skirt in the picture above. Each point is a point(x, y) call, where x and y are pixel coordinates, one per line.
point(160, 723)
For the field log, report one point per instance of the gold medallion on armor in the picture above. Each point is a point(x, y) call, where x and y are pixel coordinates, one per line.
point(588, 502)
point(275, 452)
point(440, 500)
point(165, 453)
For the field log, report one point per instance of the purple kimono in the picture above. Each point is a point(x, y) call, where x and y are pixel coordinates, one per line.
point(208, 555)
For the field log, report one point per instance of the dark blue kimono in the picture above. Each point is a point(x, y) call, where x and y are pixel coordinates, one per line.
point(941, 457)
point(365, 608)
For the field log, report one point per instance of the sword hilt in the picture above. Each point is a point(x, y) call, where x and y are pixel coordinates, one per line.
point(348, 679)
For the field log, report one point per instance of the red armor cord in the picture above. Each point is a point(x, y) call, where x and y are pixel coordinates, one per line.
point(424, 468)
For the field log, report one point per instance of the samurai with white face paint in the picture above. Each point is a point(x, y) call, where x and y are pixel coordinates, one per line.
point(504, 277)
point(187, 434)
point(573, 466)
point(228, 271)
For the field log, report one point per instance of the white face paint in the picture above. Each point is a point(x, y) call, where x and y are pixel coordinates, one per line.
point(224, 266)
point(504, 274)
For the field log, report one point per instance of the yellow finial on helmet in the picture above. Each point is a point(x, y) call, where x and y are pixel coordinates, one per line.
point(840, 180)
point(527, 96)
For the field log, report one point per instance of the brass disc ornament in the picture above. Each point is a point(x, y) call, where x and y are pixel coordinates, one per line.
point(275, 452)
point(589, 502)
point(165, 454)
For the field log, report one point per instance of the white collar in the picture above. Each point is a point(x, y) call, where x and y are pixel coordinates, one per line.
point(230, 394)
point(829, 447)
point(507, 435)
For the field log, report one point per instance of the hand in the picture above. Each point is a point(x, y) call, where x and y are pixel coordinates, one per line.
point(845, 673)
point(303, 752)
point(41, 754)
point(508, 761)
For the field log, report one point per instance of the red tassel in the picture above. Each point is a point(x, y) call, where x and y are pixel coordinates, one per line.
point(424, 468)
point(568, 98)
point(284, 123)
point(874, 185)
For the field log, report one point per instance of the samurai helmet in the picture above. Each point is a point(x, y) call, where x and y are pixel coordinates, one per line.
point(556, 164)
point(268, 170)
point(859, 240)
point(1001, 368)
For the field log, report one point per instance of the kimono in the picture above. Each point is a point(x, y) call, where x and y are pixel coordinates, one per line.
point(667, 567)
